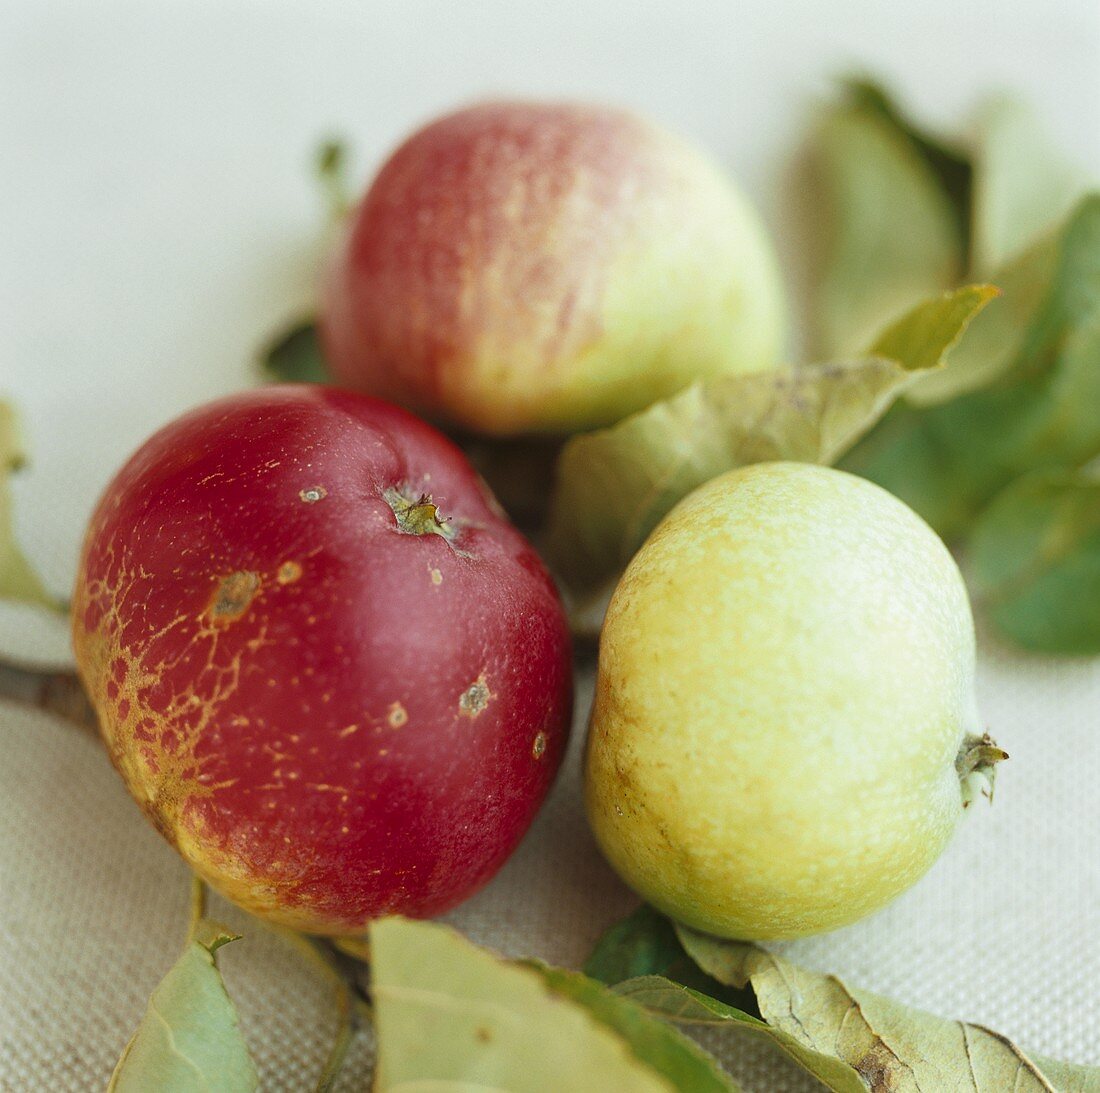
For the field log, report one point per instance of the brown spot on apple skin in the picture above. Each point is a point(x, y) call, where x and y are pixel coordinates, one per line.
point(289, 572)
point(233, 596)
point(436, 576)
point(312, 494)
point(475, 698)
point(538, 748)
point(397, 715)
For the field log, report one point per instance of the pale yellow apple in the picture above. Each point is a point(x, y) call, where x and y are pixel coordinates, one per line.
point(783, 734)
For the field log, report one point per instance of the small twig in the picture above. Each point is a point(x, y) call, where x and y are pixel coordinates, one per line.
point(346, 1024)
point(352, 1005)
point(61, 693)
point(358, 948)
point(333, 176)
point(198, 904)
point(56, 692)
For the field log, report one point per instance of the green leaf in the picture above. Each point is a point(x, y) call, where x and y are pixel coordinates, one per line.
point(188, 1039)
point(679, 1003)
point(1022, 186)
point(1035, 558)
point(451, 1016)
point(949, 161)
point(947, 461)
point(18, 581)
point(1007, 185)
point(883, 1044)
point(645, 944)
point(1069, 1077)
point(614, 486)
point(686, 1065)
point(295, 356)
point(1015, 191)
point(930, 331)
point(996, 337)
point(892, 234)
point(1006, 188)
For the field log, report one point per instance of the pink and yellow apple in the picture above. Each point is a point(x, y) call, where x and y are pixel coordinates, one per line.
point(522, 267)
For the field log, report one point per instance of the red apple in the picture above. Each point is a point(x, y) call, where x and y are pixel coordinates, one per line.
point(333, 675)
point(528, 267)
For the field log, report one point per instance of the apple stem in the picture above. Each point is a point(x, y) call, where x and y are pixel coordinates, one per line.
point(417, 515)
point(977, 767)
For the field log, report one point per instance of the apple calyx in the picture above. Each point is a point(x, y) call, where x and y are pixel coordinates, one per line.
point(977, 767)
point(417, 515)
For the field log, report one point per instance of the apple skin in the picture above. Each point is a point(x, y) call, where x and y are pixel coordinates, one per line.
point(785, 684)
point(329, 717)
point(521, 267)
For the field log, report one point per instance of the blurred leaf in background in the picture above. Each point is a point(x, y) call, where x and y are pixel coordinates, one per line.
point(901, 213)
point(1035, 560)
point(615, 485)
point(295, 356)
point(1021, 391)
point(18, 581)
point(893, 233)
point(1022, 187)
point(1042, 410)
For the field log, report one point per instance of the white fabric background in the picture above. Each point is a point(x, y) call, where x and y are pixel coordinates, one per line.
point(158, 220)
